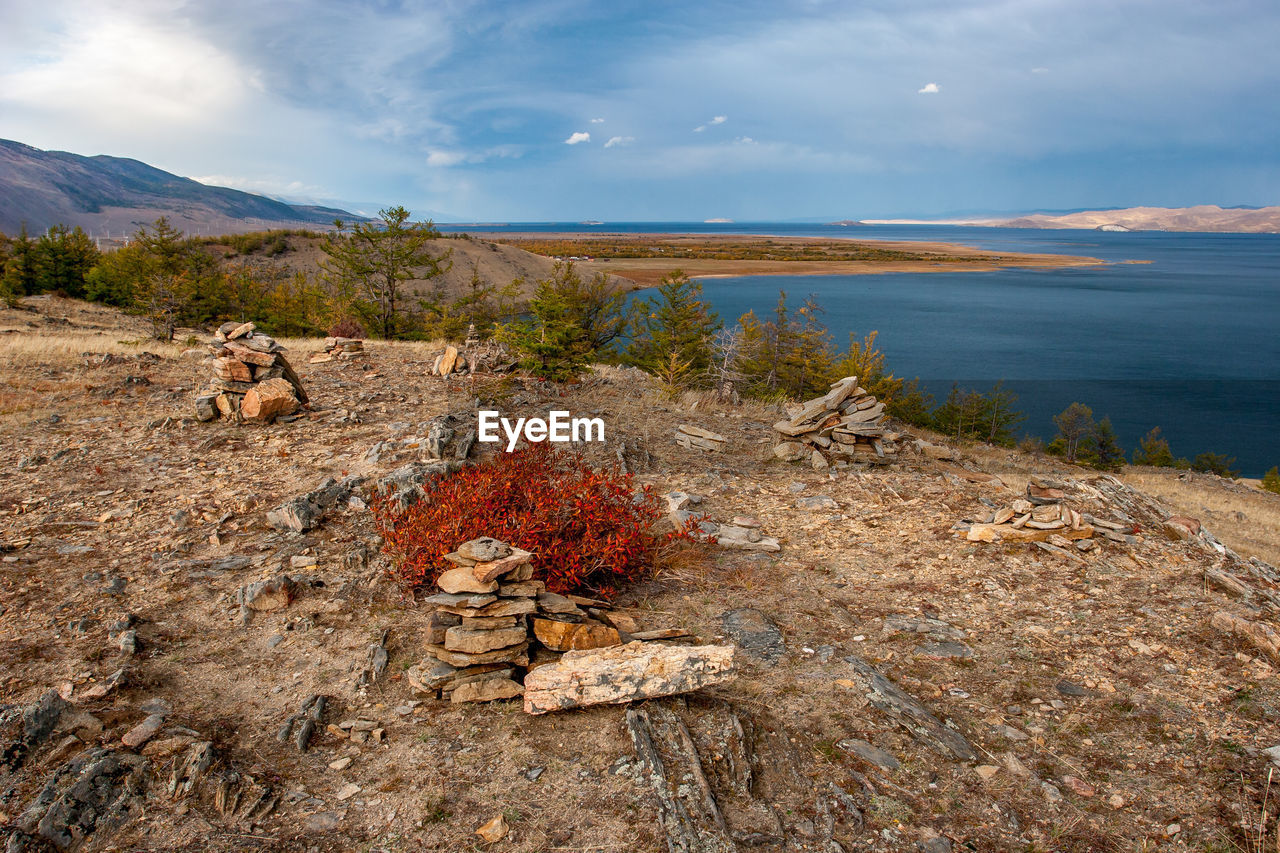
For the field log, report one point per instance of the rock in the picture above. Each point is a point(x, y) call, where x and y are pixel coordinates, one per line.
point(206, 407)
point(473, 641)
point(272, 594)
point(934, 628)
point(986, 771)
point(322, 822)
point(341, 763)
point(461, 580)
point(1070, 688)
point(101, 689)
point(790, 451)
point(816, 503)
point(348, 791)
point(486, 690)
point(492, 569)
point(953, 651)
point(625, 673)
point(129, 642)
point(517, 655)
point(755, 633)
point(38, 722)
point(439, 622)
point(566, 636)
point(818, 461)
point(461, 600)
point(522, 589)
point(97, 790)
point(167, 746)
point(886, 696)
point(493, 831)
point(484, 550)
point(1051, 793)
point(1181, 527)
point(550, 602)
point(297, 514)
point(268, 400)
point(869, 753)
point(1260, 635)
point(745, 539)
point(1079, 786)
point(143, 732)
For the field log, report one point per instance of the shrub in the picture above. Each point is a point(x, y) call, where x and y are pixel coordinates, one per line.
point(1153, 449)
point(347, 327)
point(1271, 480)
point(590, 531)
point(1215, 463)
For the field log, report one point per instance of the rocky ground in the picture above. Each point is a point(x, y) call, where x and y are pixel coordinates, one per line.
point(901, 688)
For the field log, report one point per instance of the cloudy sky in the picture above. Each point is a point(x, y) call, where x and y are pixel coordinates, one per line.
point(569, 109)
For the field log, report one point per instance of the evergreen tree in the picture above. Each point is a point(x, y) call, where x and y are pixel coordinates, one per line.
point(1215, 463)
point(672, 333)
point(1153, 449)
point(552, 343)
point(1271, 480)
point(63, 259)
point(1107, 453)
point(20, 275)
point(1075, 425)
point(370, 265)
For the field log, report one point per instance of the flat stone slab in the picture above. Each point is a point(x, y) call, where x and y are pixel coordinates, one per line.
point(870, 753)
point(755, 633)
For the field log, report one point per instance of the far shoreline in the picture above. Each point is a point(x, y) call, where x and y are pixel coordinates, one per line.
point(648, 272)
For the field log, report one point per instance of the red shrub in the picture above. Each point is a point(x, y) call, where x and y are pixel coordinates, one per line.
point(589, 531)
point(347, 327)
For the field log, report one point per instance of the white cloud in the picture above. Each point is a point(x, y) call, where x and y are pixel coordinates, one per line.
point(1040, 70)
point(445, 159)
point(714, 121)
point(719, 119)
point(929, 89)
point(745, 140)
point(277, 187)
point(619, 140)
point(597, 121)
point(579, 136)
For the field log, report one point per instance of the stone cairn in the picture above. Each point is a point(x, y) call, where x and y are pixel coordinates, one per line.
point(1044, 517)
point(497, 634)
point(846, 423)
point(338, 348)
point(488, 613)
point(252, 380)
point(476, 356)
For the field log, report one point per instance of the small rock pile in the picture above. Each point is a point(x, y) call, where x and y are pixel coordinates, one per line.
point(449, 362)
point(697, 438)
point(847, 423)
point(338, 348)
point(1043, 516)
point(476, 356)
point(252, 380)
point(487, 610)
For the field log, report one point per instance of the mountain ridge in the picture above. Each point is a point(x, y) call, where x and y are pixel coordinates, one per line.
point(109, 195)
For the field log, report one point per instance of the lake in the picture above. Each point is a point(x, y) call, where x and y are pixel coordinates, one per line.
point(1189, 342)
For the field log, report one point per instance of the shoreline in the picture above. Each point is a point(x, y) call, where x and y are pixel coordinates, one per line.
point(647, 272)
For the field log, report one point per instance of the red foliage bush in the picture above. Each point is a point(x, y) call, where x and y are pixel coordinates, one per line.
point(348, 327)
point(589, 531)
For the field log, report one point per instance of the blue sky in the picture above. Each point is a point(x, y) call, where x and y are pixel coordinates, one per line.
point(566, 110)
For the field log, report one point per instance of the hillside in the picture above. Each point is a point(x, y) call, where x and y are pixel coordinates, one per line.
point(1205, 217)
point(116, 195)
point(900, 688)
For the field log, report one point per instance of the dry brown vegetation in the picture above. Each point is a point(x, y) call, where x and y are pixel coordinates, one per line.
point(103, 478)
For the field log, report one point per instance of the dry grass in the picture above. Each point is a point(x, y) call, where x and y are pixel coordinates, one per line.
point(1246, 519)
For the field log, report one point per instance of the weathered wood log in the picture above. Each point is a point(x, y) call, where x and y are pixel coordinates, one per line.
point(909, 713)
point(268, 400)
point(625, 673)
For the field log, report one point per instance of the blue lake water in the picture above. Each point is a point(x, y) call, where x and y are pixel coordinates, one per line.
point(1189, 342)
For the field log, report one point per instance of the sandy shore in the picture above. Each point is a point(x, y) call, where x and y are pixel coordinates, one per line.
point(932, 256)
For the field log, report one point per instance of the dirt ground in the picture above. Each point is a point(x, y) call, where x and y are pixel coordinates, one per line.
point(1104, 711)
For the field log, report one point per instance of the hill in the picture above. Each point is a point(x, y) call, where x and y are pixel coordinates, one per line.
point(1204, 217)
point(900, 688)
point(113, 196)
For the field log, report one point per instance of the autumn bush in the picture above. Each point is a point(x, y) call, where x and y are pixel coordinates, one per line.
point(589, 530)
point(348, 327)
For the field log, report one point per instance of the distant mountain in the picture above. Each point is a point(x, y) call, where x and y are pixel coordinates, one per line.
point(1204, 217)
point(113, 196)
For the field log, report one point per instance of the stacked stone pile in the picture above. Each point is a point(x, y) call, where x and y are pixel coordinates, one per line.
point(338, 348)
point(493, 626)
point(847, 423)
point(1044, 516)
point(697, 438)
point(475, 356)
point(252, 380)
point(488, 613)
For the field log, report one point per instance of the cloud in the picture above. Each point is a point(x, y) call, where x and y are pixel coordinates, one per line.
point(929, 89)
point(597, 121)
point(1040, 70)
point(714, 121)
point(579, 136)
point(615, 141)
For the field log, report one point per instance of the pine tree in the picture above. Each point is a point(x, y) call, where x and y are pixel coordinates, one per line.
point(1153, 450)
point(552, 343)
point(63, 258)
point(20, 268)
point(672, 333)
point(370, 265)
point(1108, 455)
point(1075, 425)
point(1271, 480)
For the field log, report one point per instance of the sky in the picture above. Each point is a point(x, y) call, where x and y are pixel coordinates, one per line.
point(563, 110)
